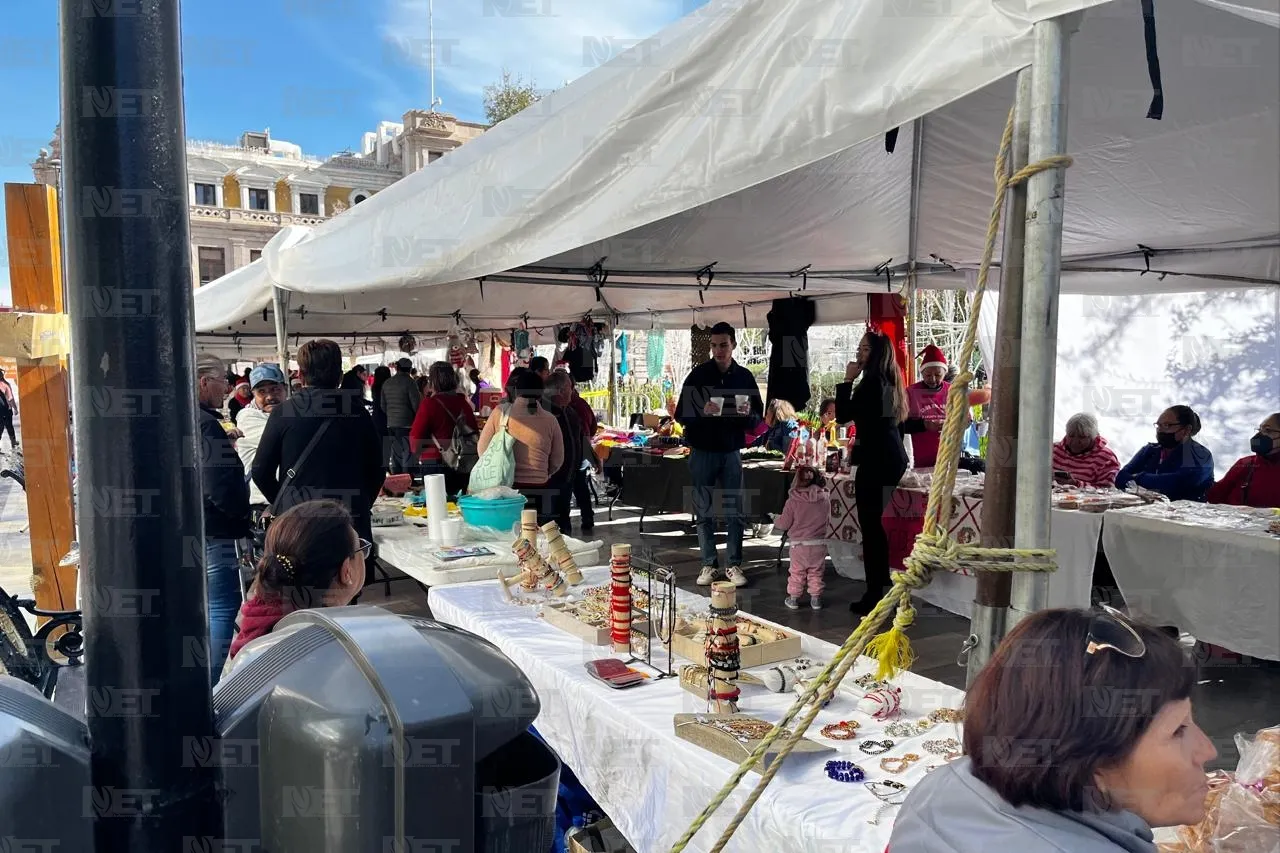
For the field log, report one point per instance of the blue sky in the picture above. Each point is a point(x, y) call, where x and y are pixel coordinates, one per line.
point(320, 73)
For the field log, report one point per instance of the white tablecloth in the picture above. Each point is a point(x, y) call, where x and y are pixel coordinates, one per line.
point(407, 547)
point(1074, 534)
point(623, 748)
point(1220, 585)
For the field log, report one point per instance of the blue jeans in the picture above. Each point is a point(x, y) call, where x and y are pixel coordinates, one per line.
point(222, 570)
point(707, 469)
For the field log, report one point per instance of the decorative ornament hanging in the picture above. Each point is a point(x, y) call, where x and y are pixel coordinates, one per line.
point(408, 343)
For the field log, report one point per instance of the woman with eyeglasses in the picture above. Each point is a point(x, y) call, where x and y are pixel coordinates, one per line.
point(1078, 738)
point(312, 558)
point(1176, 465)
point(1254, 480)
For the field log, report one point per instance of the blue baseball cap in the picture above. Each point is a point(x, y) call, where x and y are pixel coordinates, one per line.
point(265, 373)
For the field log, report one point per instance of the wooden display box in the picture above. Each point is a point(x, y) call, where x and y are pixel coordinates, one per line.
point(757, 654)
point(556, 615)
point(613, 840)
point(727, 746)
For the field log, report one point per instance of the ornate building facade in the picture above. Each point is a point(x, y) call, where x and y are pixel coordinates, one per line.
point(240, 195)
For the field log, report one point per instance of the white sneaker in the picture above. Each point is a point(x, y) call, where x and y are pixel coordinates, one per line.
point(735, 576)
point(815, 601)
point(706, 576)
point(791, 602)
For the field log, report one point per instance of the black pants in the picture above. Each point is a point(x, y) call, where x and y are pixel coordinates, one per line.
point(545, 499)
point(6, 425)
point(873, 490)
point(401, 461)
point(582, 492)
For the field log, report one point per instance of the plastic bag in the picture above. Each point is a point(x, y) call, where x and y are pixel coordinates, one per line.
point(1244, 807)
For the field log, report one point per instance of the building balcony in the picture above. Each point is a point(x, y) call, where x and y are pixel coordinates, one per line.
point(238, 216)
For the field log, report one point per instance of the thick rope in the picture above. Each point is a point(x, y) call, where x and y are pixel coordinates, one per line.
point(933, 548)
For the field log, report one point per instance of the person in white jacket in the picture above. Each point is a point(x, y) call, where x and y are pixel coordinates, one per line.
point(269, 391)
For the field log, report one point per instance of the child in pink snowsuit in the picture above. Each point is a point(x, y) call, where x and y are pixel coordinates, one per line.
point(804, 518)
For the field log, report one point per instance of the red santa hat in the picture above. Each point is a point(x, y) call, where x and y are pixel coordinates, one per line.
point(933, 357)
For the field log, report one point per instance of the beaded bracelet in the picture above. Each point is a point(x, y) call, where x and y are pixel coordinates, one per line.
point(843, 730)
point(842, 770)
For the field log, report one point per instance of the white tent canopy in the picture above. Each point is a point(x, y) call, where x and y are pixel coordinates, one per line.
point(747, 141)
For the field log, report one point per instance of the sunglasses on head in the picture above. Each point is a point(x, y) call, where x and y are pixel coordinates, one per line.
point(1109, 629)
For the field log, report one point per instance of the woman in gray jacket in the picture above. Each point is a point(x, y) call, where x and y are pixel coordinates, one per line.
point(1078, 738)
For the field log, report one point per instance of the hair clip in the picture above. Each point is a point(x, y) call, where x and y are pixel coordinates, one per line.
point(288, 566)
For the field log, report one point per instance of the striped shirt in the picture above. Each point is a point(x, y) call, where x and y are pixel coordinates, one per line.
point(1097, 467)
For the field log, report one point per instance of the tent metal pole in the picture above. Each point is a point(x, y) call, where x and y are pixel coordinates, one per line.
point(280, 308)
point(1042, 260)
point(147, 665)
point(991, 602)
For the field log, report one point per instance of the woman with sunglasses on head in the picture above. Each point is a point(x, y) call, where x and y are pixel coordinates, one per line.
point(1078, 738)
point(312, 558)
point(1176, 465)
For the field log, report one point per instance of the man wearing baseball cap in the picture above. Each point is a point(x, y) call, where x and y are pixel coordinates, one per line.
point(269, 391)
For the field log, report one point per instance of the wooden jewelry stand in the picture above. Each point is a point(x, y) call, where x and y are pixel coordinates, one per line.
point(723, 660)
point(536, 571)
point(559, 553)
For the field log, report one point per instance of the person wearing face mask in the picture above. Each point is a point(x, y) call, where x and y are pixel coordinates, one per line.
point(1254, 480)
point(1176, 465)
point(927, 407)
point(1057, 757)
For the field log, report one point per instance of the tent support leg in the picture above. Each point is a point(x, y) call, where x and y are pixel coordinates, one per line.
point(991, 603)
point(280, 308)
point(1042, 259)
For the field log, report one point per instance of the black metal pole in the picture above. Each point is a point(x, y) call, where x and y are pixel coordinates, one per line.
point(140, 509)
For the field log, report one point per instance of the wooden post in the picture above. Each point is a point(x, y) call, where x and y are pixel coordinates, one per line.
point(35, 275)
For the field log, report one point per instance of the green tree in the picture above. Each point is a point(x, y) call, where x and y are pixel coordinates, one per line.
point(508, 96)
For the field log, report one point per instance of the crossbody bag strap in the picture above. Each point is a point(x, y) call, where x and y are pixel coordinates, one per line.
point(292, 473)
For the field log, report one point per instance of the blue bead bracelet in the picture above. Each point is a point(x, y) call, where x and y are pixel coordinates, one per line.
point(845, 771)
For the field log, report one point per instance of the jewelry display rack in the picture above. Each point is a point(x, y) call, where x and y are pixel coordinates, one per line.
point(659, 616)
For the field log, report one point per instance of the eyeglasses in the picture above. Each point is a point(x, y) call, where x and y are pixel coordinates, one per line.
point(1111, 630)
point(1168, 427)
point(363, 548)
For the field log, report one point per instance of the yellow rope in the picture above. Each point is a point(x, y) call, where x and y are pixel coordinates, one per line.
point(933, 550)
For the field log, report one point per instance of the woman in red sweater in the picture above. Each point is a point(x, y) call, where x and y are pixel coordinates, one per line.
point(438, 416)
point(1253, 480)
point(312, 558)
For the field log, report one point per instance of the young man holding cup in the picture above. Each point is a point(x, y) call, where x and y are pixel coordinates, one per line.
point(718, 404)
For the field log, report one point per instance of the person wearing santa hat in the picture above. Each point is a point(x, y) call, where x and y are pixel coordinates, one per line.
point(927, 407)
point(241, 398)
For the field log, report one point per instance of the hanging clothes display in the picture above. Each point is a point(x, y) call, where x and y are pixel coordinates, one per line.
point(581, 351)
point(656, 354)
point(789, 322)
point(623, 366)
point(699, 344)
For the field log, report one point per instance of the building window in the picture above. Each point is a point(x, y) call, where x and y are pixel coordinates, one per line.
point(259, 200)
point(212, 262)
point(433, 156)
point(206, 195)
point(309, 203)
point(254, 254)
point(356, 198)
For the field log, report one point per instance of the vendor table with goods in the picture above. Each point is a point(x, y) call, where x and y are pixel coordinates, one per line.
point(1074, 534)
point(658, 480)
point(1213, 571)
point(408, 548)
point(623, 746)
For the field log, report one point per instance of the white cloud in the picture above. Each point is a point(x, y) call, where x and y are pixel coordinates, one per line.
point(548, 41)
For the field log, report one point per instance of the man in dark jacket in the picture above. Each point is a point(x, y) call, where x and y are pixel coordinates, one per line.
point(556, 398)
point(719, 403)
point(342, 463)
point(400, 400)
point(581, 490)
point(226, 508)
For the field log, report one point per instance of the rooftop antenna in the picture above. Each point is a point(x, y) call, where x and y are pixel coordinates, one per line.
point(431, 45)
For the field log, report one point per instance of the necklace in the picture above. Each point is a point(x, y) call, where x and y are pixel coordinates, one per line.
point(948, 748)
point(842, 770)
point(876, 747)
point(903, 729)
point(843, 730)
point(897, 765)
point(741, 729)
point(890, 793)
point(947, 715)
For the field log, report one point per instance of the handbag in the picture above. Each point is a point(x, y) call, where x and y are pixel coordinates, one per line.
point(497, 465)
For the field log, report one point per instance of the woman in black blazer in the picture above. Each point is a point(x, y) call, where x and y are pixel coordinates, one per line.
point(877, 406)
